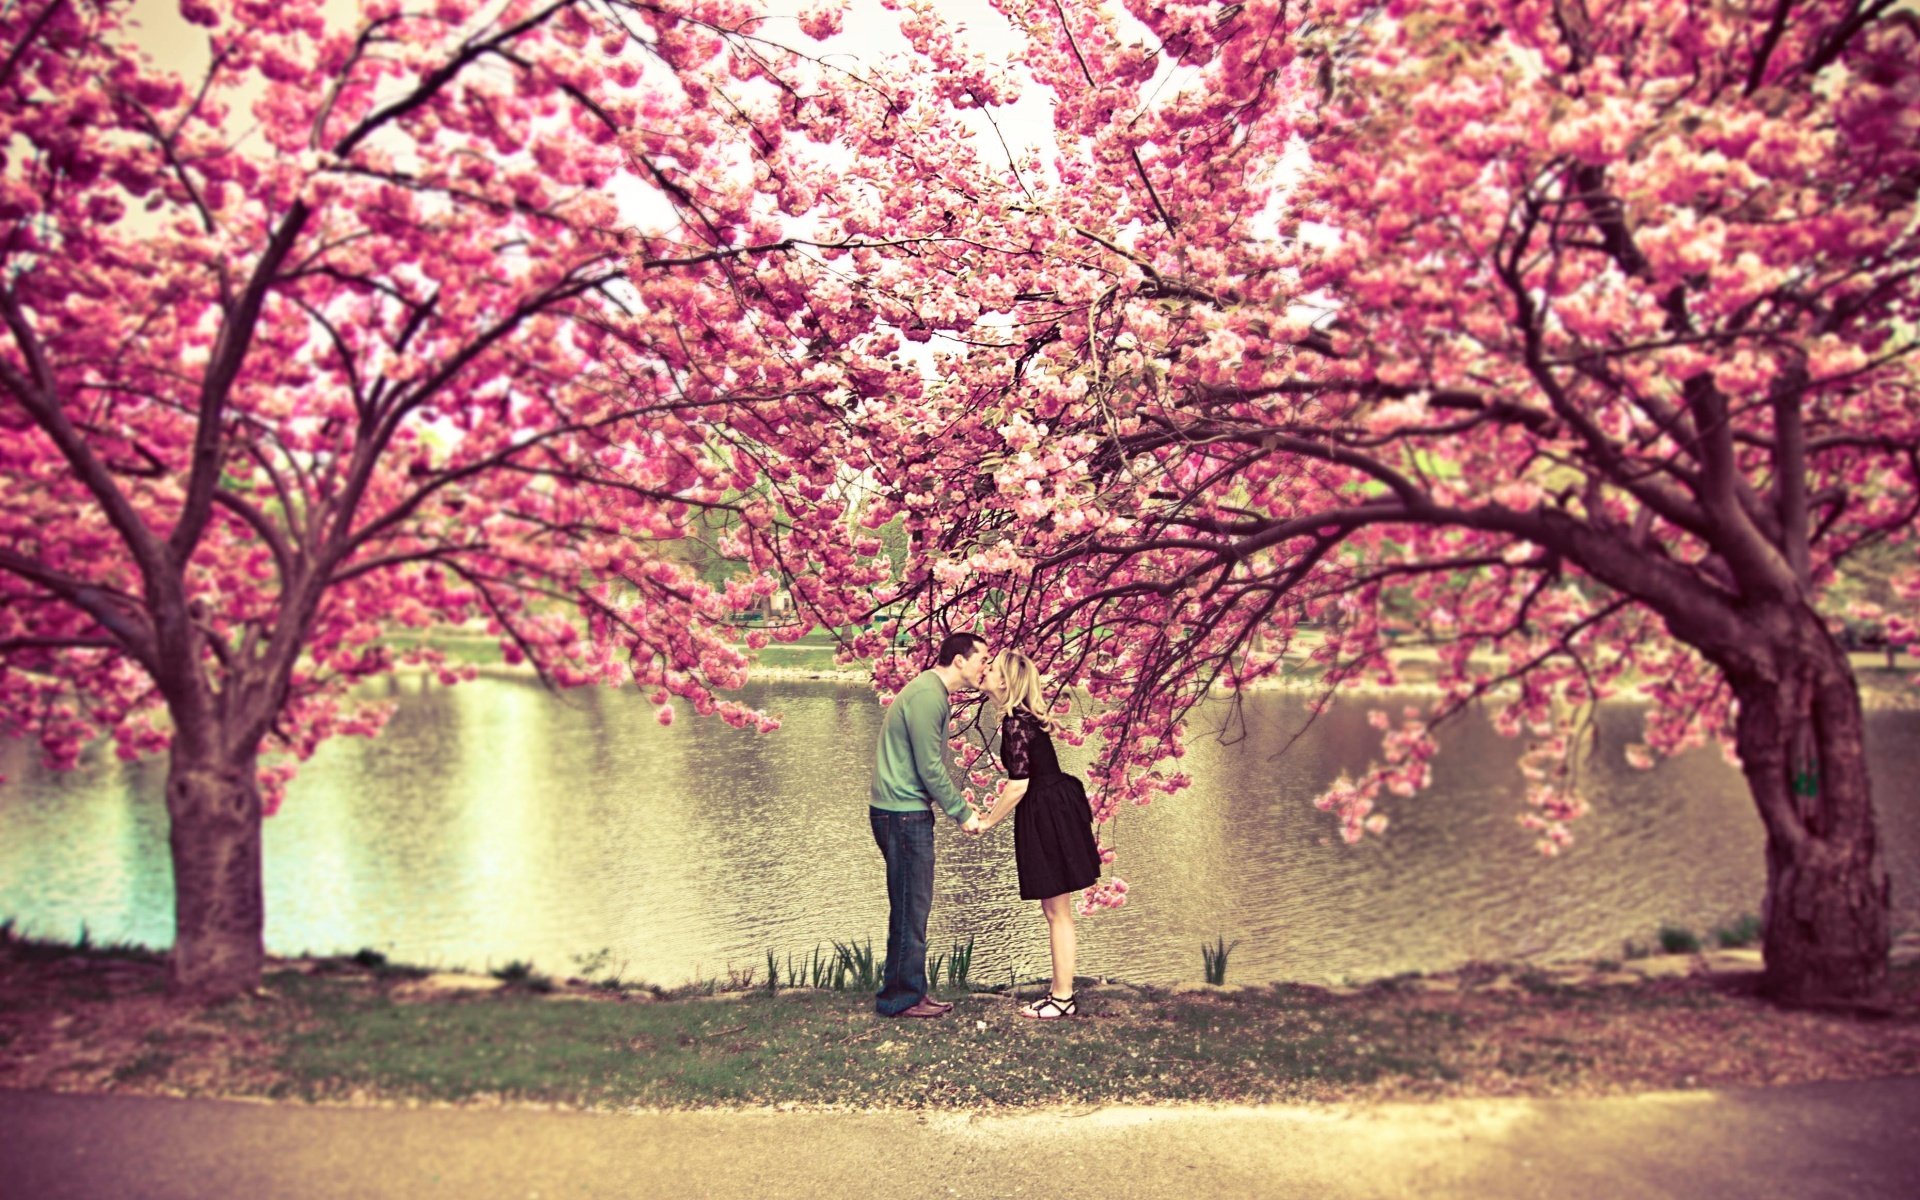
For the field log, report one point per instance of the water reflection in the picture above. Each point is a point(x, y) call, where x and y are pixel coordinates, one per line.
point(493, 822)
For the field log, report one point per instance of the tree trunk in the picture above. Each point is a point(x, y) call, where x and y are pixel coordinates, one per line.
point(1802, 747)
point(213, 805)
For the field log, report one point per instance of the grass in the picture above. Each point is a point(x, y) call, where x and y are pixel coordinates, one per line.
point(818, 972)
point(522, 975)
point(36, 950)
point(959, 965)
point(856, 967)
point(597, 969)
point(1678, 939)
point(851, 965)
point(799, 656)
point(459, 650)
point(812, 654)
point(811, 1047)
point(1213, 959)
point(335, 1030)
point(1744, 931)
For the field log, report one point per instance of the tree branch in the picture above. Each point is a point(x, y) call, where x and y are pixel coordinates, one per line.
point(223, 368)
point(119, 614)
point(258, 522)
point(39, 396)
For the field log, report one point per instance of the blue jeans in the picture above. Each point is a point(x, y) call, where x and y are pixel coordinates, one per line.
point(906, 842)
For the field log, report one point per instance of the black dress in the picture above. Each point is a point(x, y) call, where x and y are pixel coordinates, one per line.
point(1053, 844)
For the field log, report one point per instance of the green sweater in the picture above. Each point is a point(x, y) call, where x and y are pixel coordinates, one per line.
point(911, 763)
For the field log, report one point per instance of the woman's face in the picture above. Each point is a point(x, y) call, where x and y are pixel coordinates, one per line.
point(994, 683)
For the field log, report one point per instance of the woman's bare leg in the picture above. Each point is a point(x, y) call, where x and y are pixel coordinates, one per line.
point(1062, 940)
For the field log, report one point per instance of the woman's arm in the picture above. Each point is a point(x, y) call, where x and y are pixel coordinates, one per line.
point(1016, 750)
point(1010, 792)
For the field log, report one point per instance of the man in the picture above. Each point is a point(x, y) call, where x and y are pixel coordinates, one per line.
point(910, 776)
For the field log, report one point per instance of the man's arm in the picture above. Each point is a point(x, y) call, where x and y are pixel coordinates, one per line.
point(927, 734)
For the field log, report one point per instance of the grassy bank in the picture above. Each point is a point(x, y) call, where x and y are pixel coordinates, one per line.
point(336, 1031)
point(813, 655)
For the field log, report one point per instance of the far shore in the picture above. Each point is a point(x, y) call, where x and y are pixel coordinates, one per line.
point(1881, 690)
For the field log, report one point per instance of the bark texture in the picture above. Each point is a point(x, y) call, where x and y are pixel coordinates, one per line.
point(1802, 746)
point(219, 909)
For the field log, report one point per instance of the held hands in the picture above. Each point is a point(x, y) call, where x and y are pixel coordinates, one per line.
point(979, 822)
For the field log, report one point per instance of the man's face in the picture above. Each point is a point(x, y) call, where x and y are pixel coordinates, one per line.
point(973, 667)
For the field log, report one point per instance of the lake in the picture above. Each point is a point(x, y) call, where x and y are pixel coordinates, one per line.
point(494, 822)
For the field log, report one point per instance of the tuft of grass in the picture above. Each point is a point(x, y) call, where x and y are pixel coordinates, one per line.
point(373, 961)
point(1744, 931)
point(459, 650)
point(858, 967)
point(596, 963)
point(797, 975)
point(28, 948)
point(825, 973)
point(1213, 959)
point(1678, 939)
point(597, 968)
point(149, 1065)
point(960, 964)
point(1537, 982)
point(517, 974)
point(800, 657)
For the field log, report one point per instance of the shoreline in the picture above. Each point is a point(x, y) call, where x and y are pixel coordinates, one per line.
point(1494, 976)
point(1469, 976)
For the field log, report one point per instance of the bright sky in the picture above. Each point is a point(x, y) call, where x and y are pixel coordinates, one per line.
point(870, 33)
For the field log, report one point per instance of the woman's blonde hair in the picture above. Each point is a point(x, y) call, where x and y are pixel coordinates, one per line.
point(1024, 688)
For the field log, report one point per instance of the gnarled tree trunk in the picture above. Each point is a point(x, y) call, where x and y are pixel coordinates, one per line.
point(213, 805)
point(1802, 747)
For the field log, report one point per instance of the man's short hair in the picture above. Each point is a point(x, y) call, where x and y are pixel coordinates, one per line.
point(958, 645)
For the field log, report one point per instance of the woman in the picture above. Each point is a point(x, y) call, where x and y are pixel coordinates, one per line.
point(1053, 844)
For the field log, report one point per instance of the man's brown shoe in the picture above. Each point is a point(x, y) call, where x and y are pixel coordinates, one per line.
point(926, 1009)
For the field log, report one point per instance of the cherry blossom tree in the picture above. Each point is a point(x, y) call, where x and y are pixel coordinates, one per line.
point(347, 334)
point(1571, 340)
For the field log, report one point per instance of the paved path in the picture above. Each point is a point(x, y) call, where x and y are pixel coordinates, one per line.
point(1849, 1141)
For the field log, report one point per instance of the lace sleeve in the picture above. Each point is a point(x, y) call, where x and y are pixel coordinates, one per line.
point(1016, 746)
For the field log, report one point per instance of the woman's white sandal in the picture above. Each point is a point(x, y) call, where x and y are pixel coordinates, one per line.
point(1050, 1008)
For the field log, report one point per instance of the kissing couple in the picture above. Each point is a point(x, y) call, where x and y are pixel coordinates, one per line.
point(1053, 844)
